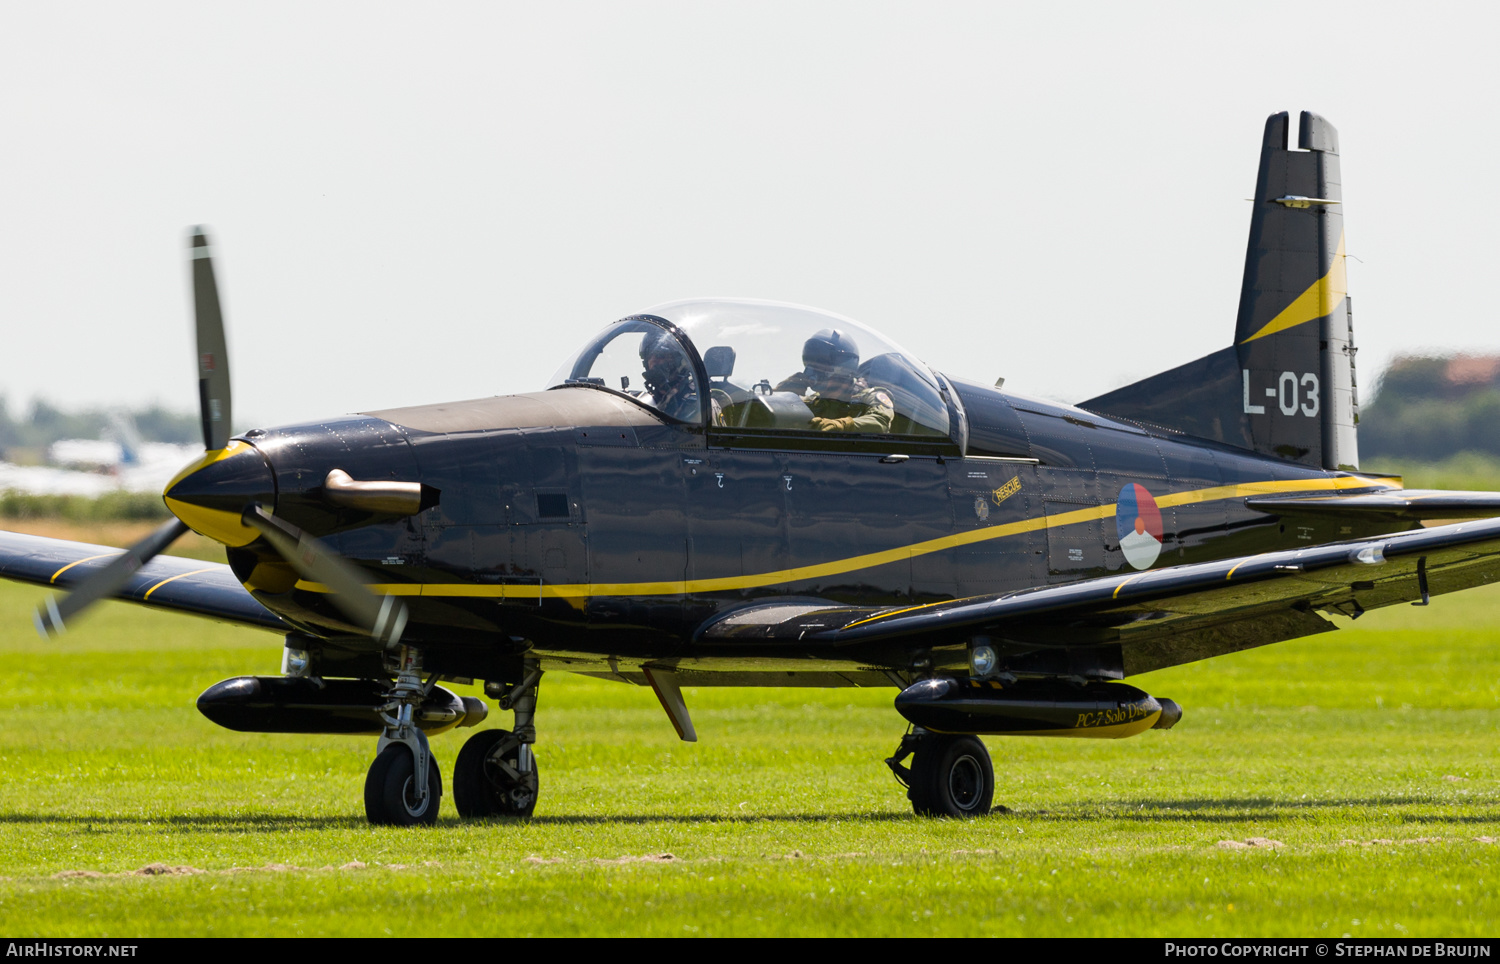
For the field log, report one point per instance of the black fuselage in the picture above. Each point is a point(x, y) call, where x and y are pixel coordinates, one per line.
point(579, 526)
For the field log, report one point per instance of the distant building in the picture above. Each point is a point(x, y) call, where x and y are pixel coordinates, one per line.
point(1429, 408)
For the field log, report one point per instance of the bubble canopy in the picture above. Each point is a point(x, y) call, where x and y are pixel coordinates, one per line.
point(761, 366)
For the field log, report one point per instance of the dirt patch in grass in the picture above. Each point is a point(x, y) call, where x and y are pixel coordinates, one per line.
point(1391, 842)
point(1249, 843)
point(167, 870)
point(163, 870)
point(662, 858)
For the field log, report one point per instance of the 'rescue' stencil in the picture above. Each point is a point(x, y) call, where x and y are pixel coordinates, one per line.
point(1007, 490)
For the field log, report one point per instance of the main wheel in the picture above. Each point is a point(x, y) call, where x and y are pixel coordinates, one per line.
point(481, 788)
point(391, 790)
point(951, 776)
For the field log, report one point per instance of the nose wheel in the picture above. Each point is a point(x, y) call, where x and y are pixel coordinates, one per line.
point(393, 797)
point(403, 787)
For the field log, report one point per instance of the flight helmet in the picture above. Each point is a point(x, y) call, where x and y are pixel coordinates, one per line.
point(830, 352)
point(664, 362)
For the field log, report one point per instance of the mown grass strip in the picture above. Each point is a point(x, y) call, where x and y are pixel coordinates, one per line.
point(1341, 784)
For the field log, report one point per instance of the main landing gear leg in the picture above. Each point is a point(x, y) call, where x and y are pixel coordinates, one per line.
point(496, 773)
point(950, 776)
point(404, 787)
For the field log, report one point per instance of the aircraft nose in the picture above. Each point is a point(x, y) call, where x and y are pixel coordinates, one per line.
point(211, 494)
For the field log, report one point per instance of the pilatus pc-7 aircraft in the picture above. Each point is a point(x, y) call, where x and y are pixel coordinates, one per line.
point(746, 493)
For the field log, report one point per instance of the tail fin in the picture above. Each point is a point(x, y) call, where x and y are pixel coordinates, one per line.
point(122, 427)
point(1286, 386)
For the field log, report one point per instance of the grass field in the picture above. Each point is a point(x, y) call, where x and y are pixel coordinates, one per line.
point(1345, 784)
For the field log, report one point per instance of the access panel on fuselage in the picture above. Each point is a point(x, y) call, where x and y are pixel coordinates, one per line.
point(637, 537)
point(854, 520)
point(1195, 527)
point(996, 502)
point(737, 519)
point(511, 519)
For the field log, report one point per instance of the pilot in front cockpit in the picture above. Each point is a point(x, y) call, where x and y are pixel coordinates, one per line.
point(668, 374)
point(829, 383)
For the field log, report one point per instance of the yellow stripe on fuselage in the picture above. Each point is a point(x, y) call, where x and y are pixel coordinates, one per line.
point(853, 563)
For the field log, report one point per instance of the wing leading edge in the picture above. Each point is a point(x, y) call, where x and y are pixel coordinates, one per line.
point(166, 582)
point(1165, 617)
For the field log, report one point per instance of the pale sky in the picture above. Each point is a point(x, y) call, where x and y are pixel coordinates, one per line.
point(418, 204)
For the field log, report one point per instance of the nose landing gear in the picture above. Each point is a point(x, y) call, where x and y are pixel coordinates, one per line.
point(403, 786)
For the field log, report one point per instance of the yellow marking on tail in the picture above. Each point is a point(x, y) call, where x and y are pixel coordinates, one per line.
point(1318, 300)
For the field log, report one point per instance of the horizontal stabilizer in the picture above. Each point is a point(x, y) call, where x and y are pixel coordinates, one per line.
point(1400, 503)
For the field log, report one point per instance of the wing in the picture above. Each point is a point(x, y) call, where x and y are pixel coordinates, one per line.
point(1149, 620)
point(166, 582)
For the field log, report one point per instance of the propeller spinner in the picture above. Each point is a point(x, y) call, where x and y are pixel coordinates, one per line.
point(224, 495)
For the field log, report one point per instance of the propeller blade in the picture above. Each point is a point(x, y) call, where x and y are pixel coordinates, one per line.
point(51, 619)
point(383, 617)
point(213, 358)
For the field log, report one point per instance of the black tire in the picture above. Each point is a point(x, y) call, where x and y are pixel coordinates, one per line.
point(390, 791)
point(952, 777)
point(481, 789)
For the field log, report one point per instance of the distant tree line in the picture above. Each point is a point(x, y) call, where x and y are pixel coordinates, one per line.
point(109, 507)
point(46, 423)
point(1430, 409)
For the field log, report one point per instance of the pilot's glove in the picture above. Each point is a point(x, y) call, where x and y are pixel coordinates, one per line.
point(833, 424)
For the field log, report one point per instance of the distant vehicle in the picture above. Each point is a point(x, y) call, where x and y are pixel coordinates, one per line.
point(747, 493)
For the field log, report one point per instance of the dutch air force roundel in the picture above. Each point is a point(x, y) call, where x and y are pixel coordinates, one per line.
point(1139, 523)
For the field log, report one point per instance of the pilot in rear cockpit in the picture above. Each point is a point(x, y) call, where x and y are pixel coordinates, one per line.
point(829, 383)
